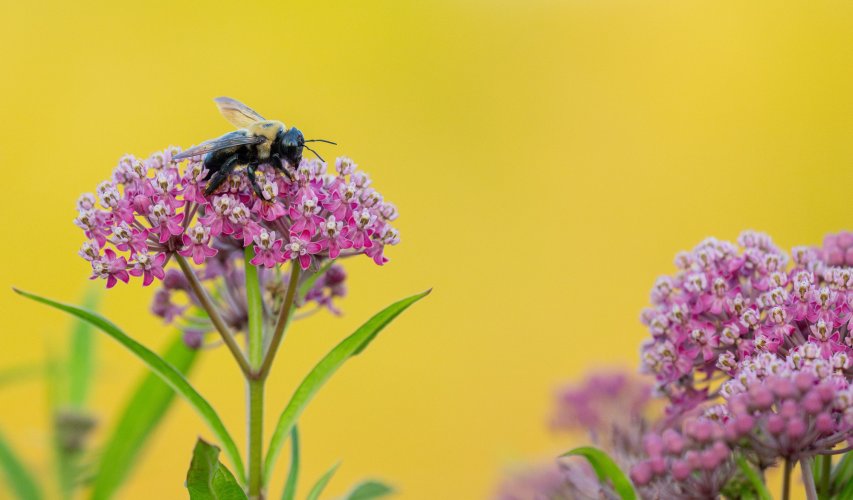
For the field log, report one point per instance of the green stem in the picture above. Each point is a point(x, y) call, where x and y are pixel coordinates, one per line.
point(256, 311)
point(256, 434)
point(786, 480)
point(283, 319)
point(213, 314)
point(808, 478)
point(825, 475)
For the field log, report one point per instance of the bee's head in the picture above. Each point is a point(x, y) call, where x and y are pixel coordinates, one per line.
point(293, 138)
point(290, 146)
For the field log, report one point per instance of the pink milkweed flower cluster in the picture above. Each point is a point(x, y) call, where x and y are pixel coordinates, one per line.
point(154, 208)
point(176, 301)
point(555, 481)
point(794, 408)
point(600, 402)
point(693, 462)
point(613, 408)
point(728, 303)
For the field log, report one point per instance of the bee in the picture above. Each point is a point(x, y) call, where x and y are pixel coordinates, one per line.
point(258, 141)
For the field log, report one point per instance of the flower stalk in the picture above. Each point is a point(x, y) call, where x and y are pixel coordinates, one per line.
point(213, 313)
point(254, 386)
point(281, 324)
point(255, 308)
point(256, 434)
point(825, 475)
point(808, 478)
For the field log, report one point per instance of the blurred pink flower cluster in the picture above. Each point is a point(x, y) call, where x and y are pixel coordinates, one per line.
point(615, 410)
point(758, 345)
point(175, 301)
point(728, 304)
point(751, 352)
point(155, 208)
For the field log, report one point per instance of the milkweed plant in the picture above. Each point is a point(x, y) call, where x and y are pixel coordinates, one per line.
point(237, 268)
point(750, 349)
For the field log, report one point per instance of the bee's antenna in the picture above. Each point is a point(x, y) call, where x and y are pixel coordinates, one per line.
point(315, 153)
point(322, 140)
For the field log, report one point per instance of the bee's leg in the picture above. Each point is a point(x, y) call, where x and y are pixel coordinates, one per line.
point(220, 175)
point(250, 171)
point(278, 165)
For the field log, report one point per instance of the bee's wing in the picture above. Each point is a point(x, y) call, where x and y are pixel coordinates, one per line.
point(237, 113)
point(236, 138)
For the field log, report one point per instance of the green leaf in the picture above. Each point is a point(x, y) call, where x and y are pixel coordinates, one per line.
point(754, 479)
point(368, 490)
point(81, 357)
point(846, 490)
point(19, 373)
point(289, 492)
point(164, 370)
point(143, 412)
point(56, 397)
point(208, 479)
point(327, 366)
point(842, 473)
point(321, 483)
point(605, 468)
point(19, 478)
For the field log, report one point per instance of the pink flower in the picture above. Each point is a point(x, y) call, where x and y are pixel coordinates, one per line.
point(165, 221)
point(302, 248)
point(219, 219)
point(304, 215)
point(267, 249)
point(360, 228)
point(148, 268)
point(838, 249)
point(196, 244)
point(332, 238)
point(110, 267)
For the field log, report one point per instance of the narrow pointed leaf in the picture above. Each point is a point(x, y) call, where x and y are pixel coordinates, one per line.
point(17, 476)
point(327, 366)
point(57, 393)
point(164, 370)
point(754, 479)
point(368, 490)
point(321, 483)
point(143, 412)
point(846, 490)
point(842, 473)
point(208, 479)
point(80, 361)
point(606, 469)
point(289, 492)
point(19, 373)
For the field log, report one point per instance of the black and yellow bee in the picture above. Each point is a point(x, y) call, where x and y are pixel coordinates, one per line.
point(258, 141)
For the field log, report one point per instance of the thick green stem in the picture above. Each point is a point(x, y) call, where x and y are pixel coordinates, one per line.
point(808, 478)
point(213, 314)
point(786, 480)
point(825, 475)
point(283, 319)
point(256, 311)
point(256, 435)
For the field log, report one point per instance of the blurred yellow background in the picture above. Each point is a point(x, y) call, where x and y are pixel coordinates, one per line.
point(548, 159)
